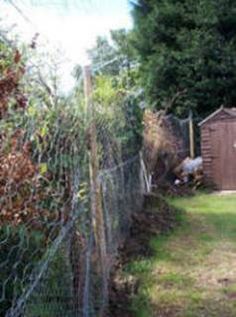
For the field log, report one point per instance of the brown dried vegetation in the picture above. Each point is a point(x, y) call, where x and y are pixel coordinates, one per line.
point(19, 176)
point(162, 149)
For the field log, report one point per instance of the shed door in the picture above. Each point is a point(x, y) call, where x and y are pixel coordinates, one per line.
point(223, 147)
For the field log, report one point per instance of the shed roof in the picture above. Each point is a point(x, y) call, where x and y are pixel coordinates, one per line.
point(230, 111)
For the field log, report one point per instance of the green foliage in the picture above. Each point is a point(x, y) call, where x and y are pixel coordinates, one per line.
point(42, 145)
point(53, 296)
point(51, 134)
point(117, 93)
point(105, 93)
point(186, 49)
point(101, 56)
point(111, 57)
point(17, 243)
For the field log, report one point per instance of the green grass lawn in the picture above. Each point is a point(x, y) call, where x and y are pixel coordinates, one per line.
point(192, 272)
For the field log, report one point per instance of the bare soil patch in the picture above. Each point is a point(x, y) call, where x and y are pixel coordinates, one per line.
point(157, 218)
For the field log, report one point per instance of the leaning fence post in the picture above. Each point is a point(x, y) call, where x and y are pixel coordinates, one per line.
point(97, 216)
point(92, 144)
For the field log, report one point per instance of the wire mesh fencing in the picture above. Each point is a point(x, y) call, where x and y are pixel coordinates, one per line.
point(60, 222)
point(180, 128)
point(49, 259)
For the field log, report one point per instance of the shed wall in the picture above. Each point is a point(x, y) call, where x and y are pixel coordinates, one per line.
point(206, 153)
point(218, 147)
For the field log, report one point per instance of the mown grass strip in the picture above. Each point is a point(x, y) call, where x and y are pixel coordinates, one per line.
point(192, 270)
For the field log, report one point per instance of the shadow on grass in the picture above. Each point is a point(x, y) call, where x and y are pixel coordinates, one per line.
point(191, 271)
point(157, 219)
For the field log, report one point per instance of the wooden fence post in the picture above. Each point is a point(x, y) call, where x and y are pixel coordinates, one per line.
point(191, 135)
point(97, 216)
point(96, 200)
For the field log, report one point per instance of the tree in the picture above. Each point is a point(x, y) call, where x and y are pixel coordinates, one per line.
point(116, 88)
point(186, 49)
point(104, 57)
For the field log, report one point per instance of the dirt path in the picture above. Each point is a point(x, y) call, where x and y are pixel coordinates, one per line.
point(192, 272)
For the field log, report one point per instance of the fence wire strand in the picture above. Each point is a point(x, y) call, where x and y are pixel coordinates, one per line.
point(47, 246)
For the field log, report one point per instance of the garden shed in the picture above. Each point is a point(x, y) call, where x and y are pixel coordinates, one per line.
point(218, 147)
